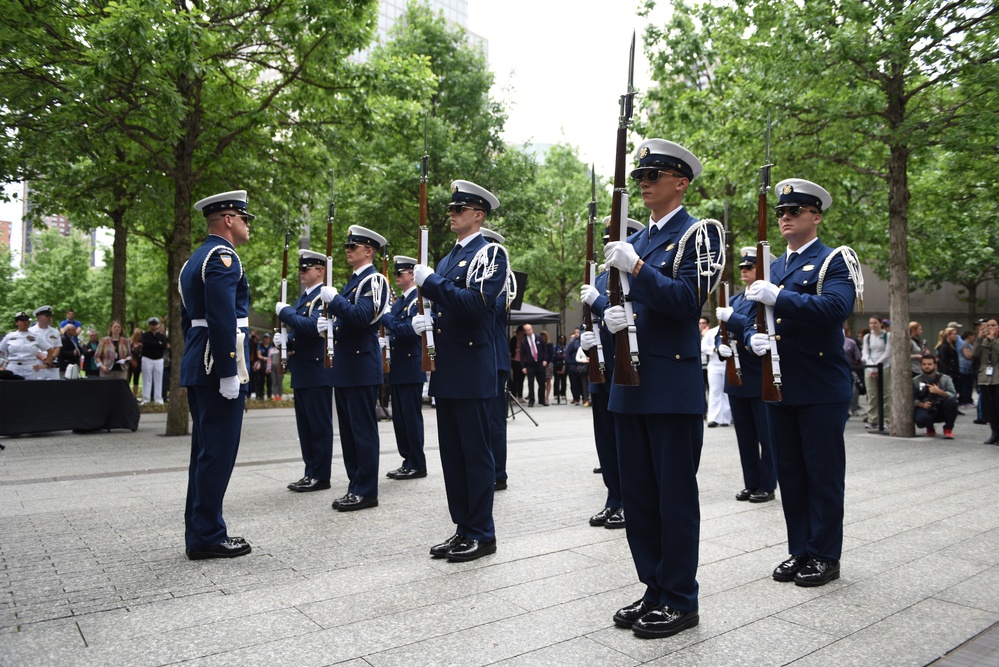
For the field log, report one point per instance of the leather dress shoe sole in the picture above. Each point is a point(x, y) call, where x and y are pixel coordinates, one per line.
point(789, 569)
point(409, 473)
point(625, 617)
point(761, 496)
point(664, 622)
point(440, 550)
point(357, 503)
point(743, 495)
point(312, 485)
point(467, 550)
point(228, 549)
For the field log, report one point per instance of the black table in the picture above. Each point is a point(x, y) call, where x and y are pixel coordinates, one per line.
point(91, 404)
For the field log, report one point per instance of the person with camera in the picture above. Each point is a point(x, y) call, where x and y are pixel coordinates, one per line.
point(934, 398)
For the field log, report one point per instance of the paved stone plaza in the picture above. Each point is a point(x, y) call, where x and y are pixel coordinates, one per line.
point(94, 572)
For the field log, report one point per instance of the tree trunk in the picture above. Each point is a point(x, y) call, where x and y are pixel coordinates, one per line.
point(972, 288)
point(119, 269)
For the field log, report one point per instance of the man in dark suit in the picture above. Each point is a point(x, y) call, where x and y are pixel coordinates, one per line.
point(812, 289)
point(215, 302)
point(659, 422)
point(357, 365)
point(534, 361)
point(464, 290)
point(406, 376)
point(311, 380)
point(749, 412)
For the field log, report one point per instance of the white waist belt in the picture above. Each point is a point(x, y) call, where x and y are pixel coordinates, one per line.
point(240, 322)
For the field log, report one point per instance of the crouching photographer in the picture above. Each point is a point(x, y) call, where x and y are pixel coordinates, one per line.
point(935, 398)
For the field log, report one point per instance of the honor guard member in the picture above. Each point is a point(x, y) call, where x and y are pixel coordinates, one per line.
point(812, 289)
point(311, 380)
point(749, 413)
point(612, 515)
point(43, 329)
point(357, 365)
point(660, 421)
point(406, 376)
point(497, 412)
point(25, 352)
point(464, 290)
point(215, 302)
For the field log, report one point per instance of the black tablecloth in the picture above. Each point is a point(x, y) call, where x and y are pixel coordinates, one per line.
point(35, 406)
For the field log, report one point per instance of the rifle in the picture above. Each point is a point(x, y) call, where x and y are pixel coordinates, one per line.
point(733, 373)
point(618, 285)
point(386, 353)
point(429, 350)
point(329, 266)
point(284, 299)
point(589, 278)
point(765, 314)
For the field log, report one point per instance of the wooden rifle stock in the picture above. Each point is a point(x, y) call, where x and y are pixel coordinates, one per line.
point(732, 376)
point(596, 372)
point(771, 391)
point(428, 351)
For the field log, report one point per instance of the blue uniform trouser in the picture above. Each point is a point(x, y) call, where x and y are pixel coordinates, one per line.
point(407, 421)
point(497, 425)
point(467, 463)
point(214, 443)
point(756, 451)
point(659, 456)
point(355, 412)
point(606, 440)
point(811, 469)
point(314, 416)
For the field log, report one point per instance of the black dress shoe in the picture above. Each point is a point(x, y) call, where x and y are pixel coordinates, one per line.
point(228, 549)
point(787, 570)
point(311, 484)
point(991, 441)
point(761, 496)
point(817, 573)
point(440, 550)
point(979, 421)
point(299, 482)
point(712, 424)
point(392, 473)
point(626, 616)
point(345, 497)
point(664, 621)
point(409, 473)
point(616, 519)
point(499, 485)
point(352, 502)
point(530, 404)
point(597, 470)
point(600, 518)
point(743, 495)
point(467, 550)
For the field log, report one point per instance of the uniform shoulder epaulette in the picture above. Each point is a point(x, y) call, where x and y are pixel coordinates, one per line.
point(852, 262)
point(709, 265)
point(380, 292)
point(484, 265)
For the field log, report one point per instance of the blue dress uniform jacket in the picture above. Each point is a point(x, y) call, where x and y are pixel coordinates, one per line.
point(312, 383)
point(465, 383)
point(659, 423)
point(808, 424)
point(604, 430)
point(497, 413)
point(666, 317)
point(357, 377)
point(406, 379)
point(749, 413)
point(214, 289)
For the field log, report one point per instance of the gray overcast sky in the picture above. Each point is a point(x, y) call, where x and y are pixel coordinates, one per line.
point(561, 67)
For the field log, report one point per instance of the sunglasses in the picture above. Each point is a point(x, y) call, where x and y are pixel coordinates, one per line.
point(458, 209)
point(652, 175)
point(353, 246)
point(793, 211)
point(402, 271)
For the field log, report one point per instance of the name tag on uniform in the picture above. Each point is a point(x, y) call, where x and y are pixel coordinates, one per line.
point(462, 263)
point(808, 267)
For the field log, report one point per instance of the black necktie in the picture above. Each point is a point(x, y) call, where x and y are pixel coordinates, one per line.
point(652, 232)
point(791, 258)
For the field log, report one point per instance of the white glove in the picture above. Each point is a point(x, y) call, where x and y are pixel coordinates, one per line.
point(322, 324)
point(279, 306)
point(724, 351)
point(229, 387)
point(420, 324)
point(616, 319)
point(327, 293)
point(587, 340)
point(420, 273)
point(723, 313)
point(760, 343)
point(763, 291)
point(120, 361)
point(588, 294)
point(382, 342)
point(621, 255)
point(278, 339)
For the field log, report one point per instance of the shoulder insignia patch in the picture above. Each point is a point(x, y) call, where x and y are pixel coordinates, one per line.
point(227, 260)
point(31, 338)
point(808, 267)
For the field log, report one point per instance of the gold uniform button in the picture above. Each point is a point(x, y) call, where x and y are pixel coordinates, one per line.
point(438, 331)
point(778, 320)
point(821, 353)
point(781, 287)
point(440, 314)
point(678, 356)
point(470, 343)
point(777, 337)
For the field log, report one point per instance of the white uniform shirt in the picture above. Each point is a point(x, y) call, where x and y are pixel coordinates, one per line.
point(50, 334)
point(23, 347)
